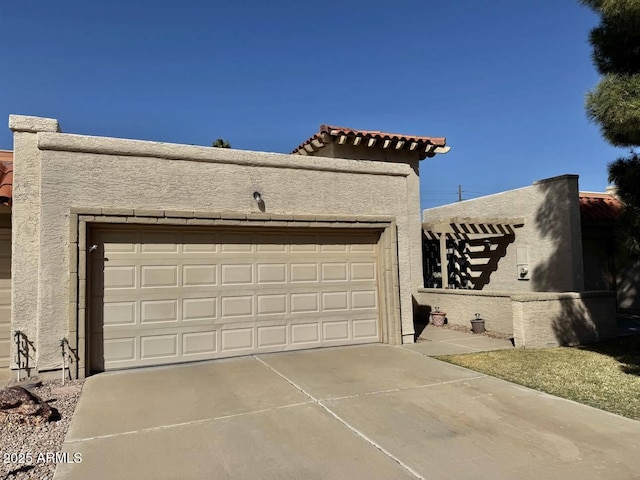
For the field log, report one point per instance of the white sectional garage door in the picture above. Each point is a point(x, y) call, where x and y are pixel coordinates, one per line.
point(171, 295)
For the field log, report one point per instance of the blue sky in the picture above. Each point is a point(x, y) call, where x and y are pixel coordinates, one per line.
point(503, 80)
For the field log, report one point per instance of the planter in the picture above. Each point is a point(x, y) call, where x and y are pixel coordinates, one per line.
point(477, 325)
point(437, 318)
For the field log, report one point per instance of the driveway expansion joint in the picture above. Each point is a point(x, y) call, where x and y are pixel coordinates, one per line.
point(344, 422)
point(202, 421)
point(402, 389)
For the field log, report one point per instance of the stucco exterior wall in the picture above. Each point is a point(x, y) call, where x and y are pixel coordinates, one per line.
point(534, 320)
point(462, 305)
point(411, 158)
point(79, 171)
point(548, 320)
point(551, 233)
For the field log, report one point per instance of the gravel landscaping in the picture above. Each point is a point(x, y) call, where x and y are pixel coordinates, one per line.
point(29, 451)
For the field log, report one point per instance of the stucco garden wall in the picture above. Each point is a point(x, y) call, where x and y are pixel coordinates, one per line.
point(462, 305)
point(551, 233)
point(55, 173)
point(551, 319)
point(533, 320)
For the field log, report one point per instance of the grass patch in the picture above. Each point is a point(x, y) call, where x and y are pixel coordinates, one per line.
point(605, 375)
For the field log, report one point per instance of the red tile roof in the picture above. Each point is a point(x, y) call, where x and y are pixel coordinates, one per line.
point(599, 207)
point(427, 146)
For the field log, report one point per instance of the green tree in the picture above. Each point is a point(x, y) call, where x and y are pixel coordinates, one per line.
point(614, 104)
point(221, 143)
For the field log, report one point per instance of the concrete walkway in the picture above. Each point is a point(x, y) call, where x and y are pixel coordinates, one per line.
point(370, 412)
point(442, 341)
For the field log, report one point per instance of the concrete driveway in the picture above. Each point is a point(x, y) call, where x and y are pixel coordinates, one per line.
point(370, 412)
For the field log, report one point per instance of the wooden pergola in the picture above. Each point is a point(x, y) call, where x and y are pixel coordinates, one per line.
point(465, 226)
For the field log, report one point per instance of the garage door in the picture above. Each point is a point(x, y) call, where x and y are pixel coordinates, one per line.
point(5, 295)
point(162, 296)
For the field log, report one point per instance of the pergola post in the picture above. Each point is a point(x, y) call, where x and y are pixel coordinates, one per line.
point(444, 265)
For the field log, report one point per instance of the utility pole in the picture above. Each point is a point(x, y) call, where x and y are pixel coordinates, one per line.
point(459, 193)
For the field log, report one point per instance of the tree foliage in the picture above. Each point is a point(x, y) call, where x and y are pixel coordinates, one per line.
point(221, 143)
point(614, 103)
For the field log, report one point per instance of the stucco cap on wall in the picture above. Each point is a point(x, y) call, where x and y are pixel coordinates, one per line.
point(566, 176)
point(67, 142)
point(24, 123)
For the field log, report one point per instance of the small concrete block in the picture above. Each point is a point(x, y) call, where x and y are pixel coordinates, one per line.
point(82, 261)
point(301, 224)
point(73, 228)
point(304, 218)
point(142, 220)
point(201, 221)
point(228, 223)
point(82, 289)
point(82, 235)
point(206, 214)
point(148, 212)
point(362, 225)
point(258, 216)
point(117, 211)
point(228, 215)
point(256, 223)
point(73, 258)
point(281, 216)
point(172, 221)
point(179, 213)
point(86, 218)
point(73, 318)
point(276, 223)
point(326, 218)
point(73, 291)
point(86, 210)
point(108, 219)
point(364, 218)
point(345, 218)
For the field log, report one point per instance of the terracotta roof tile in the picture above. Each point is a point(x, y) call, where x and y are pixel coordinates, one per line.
point(6, 177)
point(427, 146)
point(599, 207)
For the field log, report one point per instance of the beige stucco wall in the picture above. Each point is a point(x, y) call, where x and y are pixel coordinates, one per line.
point(551, 233)
point(411, 158)
point(55, 172)
point(552, 319)
point(462, 305)
point(535, 319)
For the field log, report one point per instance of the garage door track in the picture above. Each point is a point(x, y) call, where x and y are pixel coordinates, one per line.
point(370, 412)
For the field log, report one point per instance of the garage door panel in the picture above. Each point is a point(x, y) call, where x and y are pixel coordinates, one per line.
point(236, 306)
point(199, 343)
point(305, 333)
point(269, 273)
point(336, 331)
point(199, 309)
point(365, 329)
point(305, 302)
point(215, 294)
point(304, 272)
point(236, 274)
point(237, 339)
point(199, 275)
point(152, 276)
